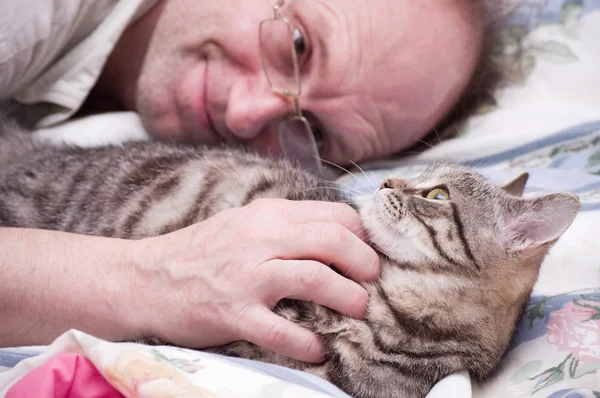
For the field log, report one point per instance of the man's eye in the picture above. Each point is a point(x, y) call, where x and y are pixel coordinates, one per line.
point(299, 43)
point(318, 135)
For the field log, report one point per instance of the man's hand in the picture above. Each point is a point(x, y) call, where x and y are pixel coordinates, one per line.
point(217, 281)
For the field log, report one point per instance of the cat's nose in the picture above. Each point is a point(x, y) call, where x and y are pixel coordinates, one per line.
point(393, 183)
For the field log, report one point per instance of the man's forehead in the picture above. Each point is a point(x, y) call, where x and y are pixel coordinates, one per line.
point(387, 45)
point(394, 68)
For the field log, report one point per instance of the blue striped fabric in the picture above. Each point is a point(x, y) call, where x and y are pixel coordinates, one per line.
point(9, 357)
point(566, 161)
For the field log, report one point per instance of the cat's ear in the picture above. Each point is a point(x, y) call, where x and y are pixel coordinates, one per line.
point(516, 186)
point(535, 222)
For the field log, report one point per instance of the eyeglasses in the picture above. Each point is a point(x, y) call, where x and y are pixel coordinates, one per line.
point(280, 64)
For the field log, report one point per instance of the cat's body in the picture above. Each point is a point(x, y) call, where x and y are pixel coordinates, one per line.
point(455, 273)
point(141, 189)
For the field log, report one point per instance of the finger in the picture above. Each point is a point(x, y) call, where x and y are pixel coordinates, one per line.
point(268, 330)
point(329, 243)
point(301, 212)
point(314, 281)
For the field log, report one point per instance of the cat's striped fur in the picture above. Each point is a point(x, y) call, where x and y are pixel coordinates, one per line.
point(455, 274)
point(141, 190)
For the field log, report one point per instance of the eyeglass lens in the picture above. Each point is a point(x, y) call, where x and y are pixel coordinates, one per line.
point(296, 140)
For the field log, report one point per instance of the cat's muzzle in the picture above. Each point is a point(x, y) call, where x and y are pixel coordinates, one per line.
point(393, 205)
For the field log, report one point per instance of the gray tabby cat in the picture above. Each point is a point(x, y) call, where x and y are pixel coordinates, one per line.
point(459, 255)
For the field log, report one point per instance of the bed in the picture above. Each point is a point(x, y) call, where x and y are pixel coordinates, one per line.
point(547, 124)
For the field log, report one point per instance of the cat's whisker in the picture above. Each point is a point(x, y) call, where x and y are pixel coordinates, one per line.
point(337, 183)
point(339, 167)
point(471, 163)
point(371, 237)
point(318, 189)
point(346, 201)
point(375, 235)
point(412, 152)
point(461, 159)
point(350, 188)
point(364, 229)
point(362, 171)
point(480, 161)
point(460, 133)
point(426, 143)
point(437, 134)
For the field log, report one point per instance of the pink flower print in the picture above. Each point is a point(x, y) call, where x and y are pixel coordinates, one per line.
point(575, 328)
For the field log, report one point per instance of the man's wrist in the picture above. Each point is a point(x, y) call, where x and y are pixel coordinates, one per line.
point(134, 298)
point(123, 302)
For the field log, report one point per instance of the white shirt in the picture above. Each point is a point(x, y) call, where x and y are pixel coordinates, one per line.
point(52, 52)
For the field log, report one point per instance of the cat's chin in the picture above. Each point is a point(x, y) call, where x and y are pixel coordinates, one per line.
point(380, 226)
point(392, 235)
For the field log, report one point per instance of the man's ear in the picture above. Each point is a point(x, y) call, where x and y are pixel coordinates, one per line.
point(516, 186)
point(532, 223)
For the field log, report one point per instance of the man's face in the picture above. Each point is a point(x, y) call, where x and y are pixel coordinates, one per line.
point(376, 75)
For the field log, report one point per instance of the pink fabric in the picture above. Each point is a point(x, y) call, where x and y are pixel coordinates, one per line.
point(64, 376)
point(576, 329)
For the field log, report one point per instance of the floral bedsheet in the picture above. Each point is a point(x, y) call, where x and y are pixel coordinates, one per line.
point(547, 124)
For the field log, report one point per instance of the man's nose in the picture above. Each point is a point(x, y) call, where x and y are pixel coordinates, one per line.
point(253, 107)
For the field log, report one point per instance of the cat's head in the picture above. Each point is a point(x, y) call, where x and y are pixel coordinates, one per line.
point(463, 252)
point(452, 219)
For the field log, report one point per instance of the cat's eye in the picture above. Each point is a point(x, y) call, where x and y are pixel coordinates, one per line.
point(438, 194)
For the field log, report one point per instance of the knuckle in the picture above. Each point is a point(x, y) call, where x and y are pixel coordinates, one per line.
point(234, 231)
point(335, 235)
point(277, 336)
point(342, 212)
point(244, 232)
point(226, 216)
point(311, 276)
point(262, 212)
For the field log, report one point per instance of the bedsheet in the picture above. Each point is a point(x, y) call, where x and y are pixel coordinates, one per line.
point(547, 124)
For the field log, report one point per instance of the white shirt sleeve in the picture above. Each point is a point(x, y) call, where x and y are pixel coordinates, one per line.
point(52, 52)
point(35, 33)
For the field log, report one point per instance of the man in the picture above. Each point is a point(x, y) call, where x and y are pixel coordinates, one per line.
point(343, 80)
